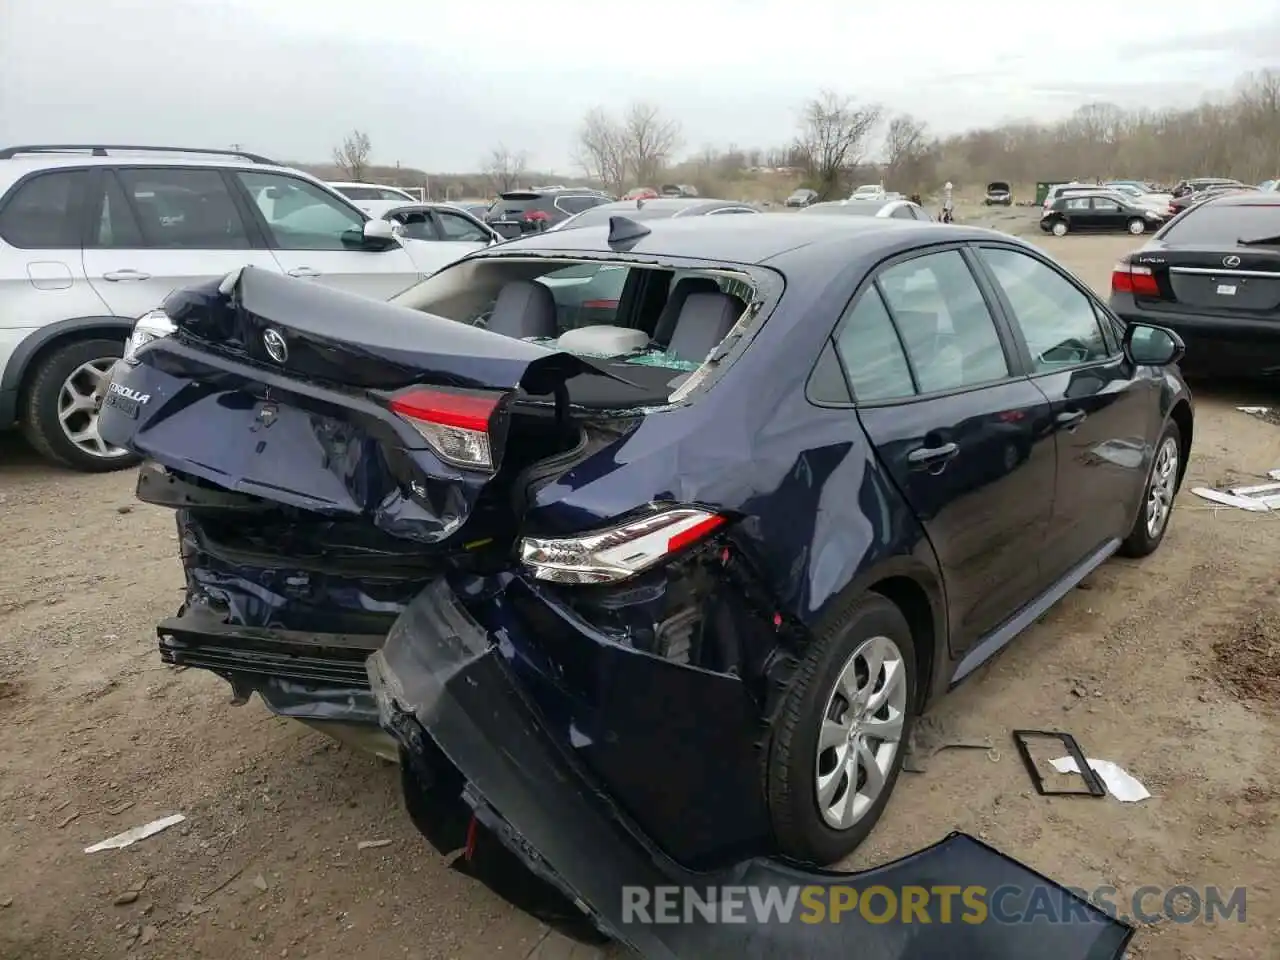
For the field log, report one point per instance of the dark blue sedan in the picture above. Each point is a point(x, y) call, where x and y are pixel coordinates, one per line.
point(710, 543)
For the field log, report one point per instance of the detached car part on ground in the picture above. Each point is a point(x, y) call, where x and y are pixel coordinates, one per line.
point(657, 597)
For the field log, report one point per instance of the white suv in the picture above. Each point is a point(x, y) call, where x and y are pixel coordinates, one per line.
point(93, 237)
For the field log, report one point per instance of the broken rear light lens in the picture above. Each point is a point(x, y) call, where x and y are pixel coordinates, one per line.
point(455, 425)
point(1139, 281)
point(616, 553)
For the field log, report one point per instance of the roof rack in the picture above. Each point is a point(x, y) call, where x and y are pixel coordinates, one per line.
point(100, 150)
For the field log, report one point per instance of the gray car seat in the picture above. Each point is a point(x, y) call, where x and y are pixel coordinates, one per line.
point(704, 321)
point(525, 309)
point(680, 292)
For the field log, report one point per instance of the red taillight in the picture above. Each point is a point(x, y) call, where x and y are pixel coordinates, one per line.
point(535, 215)
point(455, 425)
point(691, 535)
point(600, 304)
point(1139, 281)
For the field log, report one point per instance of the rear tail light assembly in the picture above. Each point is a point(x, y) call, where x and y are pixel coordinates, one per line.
point(616, 553)
point(456, 426)
point(1139, 281)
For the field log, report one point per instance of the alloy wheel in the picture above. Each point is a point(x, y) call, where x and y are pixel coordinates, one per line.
point(861, 732)
point(1161, 489)
point(79, 401)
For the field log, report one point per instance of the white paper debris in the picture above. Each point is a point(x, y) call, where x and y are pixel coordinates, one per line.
point(136, 834)
point(1232, 499)
point(1254, 410)
point(1118, 782)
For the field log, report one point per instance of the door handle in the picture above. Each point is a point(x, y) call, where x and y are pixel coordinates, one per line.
point(1070, 419)
point(932, 456)
point(304, 272)
point(117, 275)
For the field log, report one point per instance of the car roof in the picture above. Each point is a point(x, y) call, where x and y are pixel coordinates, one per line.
point(1247, 198)
point(363, 183)
point(770, 237)
point(25, 163)
point(554, 192)
point(856, 208)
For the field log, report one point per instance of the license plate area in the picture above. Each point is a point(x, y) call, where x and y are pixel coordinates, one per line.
point(126, 405)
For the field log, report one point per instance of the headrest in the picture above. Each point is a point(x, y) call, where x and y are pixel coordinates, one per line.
point(680, 292)
point(525, 309)
point(704, 321)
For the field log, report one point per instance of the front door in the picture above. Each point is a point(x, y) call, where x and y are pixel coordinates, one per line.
point(315, 235)
point(1102, 413)
point(964, 436)
point(155, 229)
point(1108, 214)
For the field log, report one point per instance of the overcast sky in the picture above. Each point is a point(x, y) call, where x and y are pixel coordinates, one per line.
point(437, 83)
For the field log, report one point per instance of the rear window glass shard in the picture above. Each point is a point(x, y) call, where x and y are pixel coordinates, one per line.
point(658, 328)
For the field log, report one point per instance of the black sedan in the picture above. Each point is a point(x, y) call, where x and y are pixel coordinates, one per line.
point(1103, 211)
point(650, 601)
point(1213, 275)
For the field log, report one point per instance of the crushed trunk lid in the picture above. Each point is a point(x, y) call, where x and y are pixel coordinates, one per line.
point(339, 405)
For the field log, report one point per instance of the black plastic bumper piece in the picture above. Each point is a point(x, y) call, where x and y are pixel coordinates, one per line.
point(446, 693)
point(302, 675)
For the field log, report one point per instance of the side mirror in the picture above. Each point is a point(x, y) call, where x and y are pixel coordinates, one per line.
point(379, 235)
point(1151, 346)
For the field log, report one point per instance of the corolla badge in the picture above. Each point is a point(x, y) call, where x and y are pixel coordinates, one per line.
point(1231, 261)
point(277, 349)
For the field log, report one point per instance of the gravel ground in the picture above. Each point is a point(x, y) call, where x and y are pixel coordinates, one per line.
point(1170, 667)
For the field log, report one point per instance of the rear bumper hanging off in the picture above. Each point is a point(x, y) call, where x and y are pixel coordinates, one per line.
point(476, 751)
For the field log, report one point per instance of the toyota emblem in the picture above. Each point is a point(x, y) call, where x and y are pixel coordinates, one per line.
point(1231, 261)
point(277, 349)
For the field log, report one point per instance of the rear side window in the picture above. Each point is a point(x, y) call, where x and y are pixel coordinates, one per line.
point(117, 227)
point(184, 209)
point(44, 212)
point(364, 193)
point(871, 352)
point(1218, 223)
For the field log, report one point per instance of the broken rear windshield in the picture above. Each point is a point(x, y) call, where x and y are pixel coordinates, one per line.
point(640, 322)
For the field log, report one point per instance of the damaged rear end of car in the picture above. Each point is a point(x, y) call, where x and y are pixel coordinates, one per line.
point(506, 520)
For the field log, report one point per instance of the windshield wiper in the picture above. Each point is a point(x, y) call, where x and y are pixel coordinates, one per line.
point(1260, 242)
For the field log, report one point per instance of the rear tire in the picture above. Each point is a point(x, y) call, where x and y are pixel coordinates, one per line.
point(57, 407)
point(1060, 228)
point(1157, 496)
point(821, 800)
point(1137, 227)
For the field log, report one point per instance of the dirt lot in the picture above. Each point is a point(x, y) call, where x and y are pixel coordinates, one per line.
point(1168, 667)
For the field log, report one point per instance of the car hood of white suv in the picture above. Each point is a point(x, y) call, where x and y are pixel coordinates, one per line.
point(432, 255)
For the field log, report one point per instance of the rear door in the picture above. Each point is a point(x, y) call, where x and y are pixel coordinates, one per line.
point(313, 234)
point(1105, 418)
point(963, 434)
point(154, 229)
point(41, 277)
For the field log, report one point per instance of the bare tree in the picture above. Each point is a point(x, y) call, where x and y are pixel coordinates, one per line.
point(907, 151)
point(649, 142)
point(505, 168)
point(353, 156)
point(833, 136)
point(602, 150)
